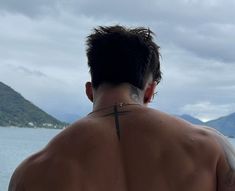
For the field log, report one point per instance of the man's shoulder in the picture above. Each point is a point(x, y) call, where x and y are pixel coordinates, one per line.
point(39, 168)
point(199, 138)
point(169, 121)
point(207, 138)
point(226, 161)
point(19, 177)
point(73, 132)
point(47, 163)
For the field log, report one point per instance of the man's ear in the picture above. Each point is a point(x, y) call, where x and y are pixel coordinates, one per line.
point(89, 91)
point(149, 92)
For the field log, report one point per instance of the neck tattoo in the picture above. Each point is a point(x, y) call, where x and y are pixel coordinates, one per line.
point(118, 105)
point(116, 114)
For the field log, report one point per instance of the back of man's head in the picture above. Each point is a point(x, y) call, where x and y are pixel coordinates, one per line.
point(121, 55)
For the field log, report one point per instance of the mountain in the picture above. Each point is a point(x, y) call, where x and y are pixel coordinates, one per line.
point(68, 117)
point(191, 119)
point(225, 124)
point(15, 110)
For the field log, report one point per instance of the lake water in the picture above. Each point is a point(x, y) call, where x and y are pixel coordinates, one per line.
point(18, 143)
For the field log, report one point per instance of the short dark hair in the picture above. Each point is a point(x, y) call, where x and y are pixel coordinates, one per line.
point(117, 54)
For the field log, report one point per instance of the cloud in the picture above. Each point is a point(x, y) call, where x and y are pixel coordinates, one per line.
point(29, 7)
point(189, 12)
point(30, 72)
point(204, 28)
point(184, 12)
point(211, 41)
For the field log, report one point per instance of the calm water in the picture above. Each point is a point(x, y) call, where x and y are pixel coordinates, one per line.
point(18, 143)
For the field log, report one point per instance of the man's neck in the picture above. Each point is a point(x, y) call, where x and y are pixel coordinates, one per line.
point(106, 96)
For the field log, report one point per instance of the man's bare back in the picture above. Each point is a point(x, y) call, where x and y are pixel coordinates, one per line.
point(155, 152)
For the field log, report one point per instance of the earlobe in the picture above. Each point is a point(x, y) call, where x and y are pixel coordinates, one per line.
point(149, 92)
point(147, 95)
point(146, 100)
point(89, 91)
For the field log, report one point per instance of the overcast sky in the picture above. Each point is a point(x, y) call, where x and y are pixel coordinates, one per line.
point(42, 51)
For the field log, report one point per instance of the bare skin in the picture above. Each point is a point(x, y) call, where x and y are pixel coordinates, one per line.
point(155, 151)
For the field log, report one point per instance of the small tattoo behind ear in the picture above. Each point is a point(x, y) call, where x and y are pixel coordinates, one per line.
point(134, 93)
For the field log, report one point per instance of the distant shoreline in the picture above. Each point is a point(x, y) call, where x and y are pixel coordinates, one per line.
point(12, 127)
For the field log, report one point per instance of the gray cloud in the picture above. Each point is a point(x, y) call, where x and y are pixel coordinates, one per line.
point(28, 7)
point(186, 12)
point(211, 41)
point(27, 71)
point(205, 28)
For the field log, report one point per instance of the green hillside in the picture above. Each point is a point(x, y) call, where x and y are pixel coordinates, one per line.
point(17, 111)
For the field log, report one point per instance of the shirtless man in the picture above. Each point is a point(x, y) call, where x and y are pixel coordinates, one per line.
point(123, 145)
